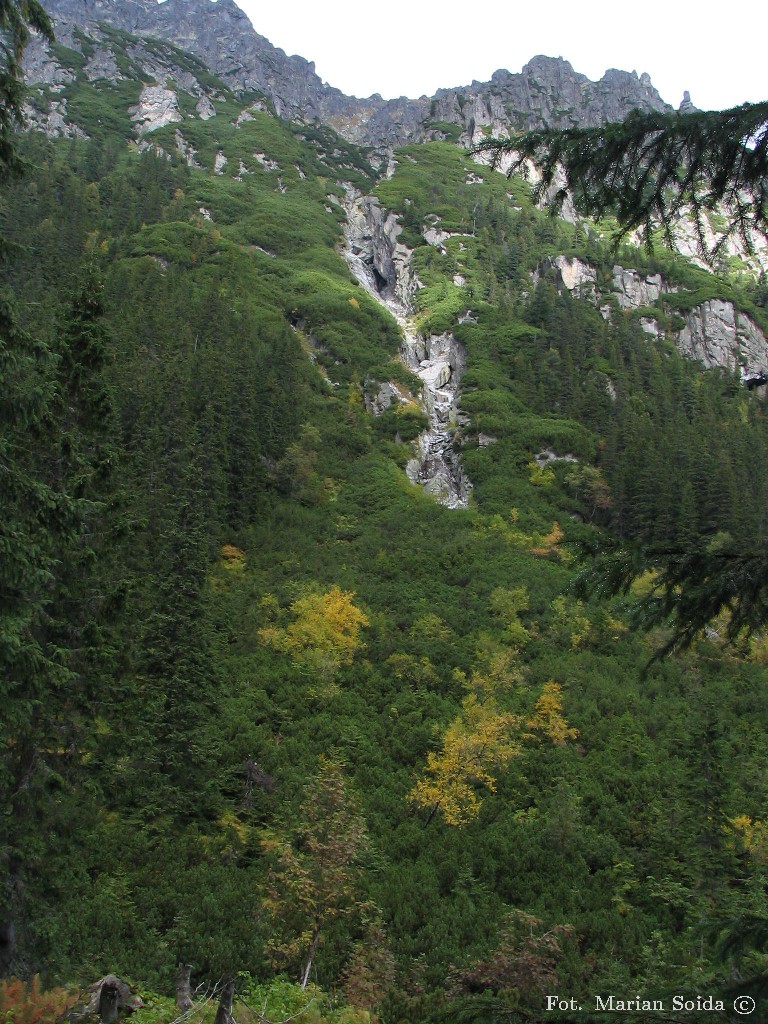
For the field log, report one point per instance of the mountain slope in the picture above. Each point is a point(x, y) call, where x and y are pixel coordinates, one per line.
point(547, 90)
point(313, 715)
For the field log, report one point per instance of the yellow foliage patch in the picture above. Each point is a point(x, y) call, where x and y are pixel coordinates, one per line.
point(752, 836)
point(645, 584)
point(569, 619)
point(508, 605)
point(548, 717)
point(547, 546)
point(324, 633)
point(229, 822)
point(232, 558)
point(540, 476)
point(476, 743)
point(482, 739)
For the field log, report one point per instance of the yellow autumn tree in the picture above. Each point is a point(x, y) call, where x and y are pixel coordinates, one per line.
point(569, 621)
point(752, 836)
point(548, 544)
point(498, 667)
point(548, 717)
point(479, 741)
point(508, 605)
point(324, 633)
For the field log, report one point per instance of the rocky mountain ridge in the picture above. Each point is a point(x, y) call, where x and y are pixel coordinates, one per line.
point(176, 60)
point(714, 332)
point(547, 90)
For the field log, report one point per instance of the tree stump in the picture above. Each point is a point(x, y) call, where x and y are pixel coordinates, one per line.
point(224, 1011)
point(183, 994)
point(108, 998)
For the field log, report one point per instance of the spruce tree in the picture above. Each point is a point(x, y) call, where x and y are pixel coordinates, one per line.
point(653, 168)
point(34, 514)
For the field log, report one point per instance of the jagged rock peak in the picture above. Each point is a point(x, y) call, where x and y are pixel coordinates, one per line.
point(546, 91)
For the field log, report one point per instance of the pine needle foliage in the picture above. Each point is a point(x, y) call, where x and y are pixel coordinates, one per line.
point(692, 587)
point(16, 20)
point(652, 169)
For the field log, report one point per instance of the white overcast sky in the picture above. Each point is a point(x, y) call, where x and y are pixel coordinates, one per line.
point(414, 47)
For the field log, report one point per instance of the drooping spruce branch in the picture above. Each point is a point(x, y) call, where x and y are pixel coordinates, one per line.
point(654, 168)
point(691, 587)
point(17, 18)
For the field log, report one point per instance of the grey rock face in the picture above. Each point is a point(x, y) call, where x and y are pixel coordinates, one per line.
point(439, 361)
point(41, 67)
point(715, 334)
point(158, 106)
point(103, 65)
point(386, 394)
point(379, 261)
point(382, 265)
point(186, 149)
point(53, 121)
point(632, 289)
point(572, 274)
point(546, 91)
point(205, 109)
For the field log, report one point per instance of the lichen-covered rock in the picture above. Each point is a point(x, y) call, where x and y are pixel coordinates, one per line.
point(102, 64)
point(53, 121)
point(717, 335)
point(158, 106)
point(205, 109)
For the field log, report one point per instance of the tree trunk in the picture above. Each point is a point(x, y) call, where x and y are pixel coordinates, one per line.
point(7, 943)
point(224, 1012)
point(183, 995)
point(109, 1000)
point(310, 956)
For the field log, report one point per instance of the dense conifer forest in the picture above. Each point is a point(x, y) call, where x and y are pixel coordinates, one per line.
point(272, 711)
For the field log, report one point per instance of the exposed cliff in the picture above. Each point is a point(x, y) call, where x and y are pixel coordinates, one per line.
point(717, 334)
point(378, 259)
point(547, 90)
point(382, 265)
point(713, 332)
